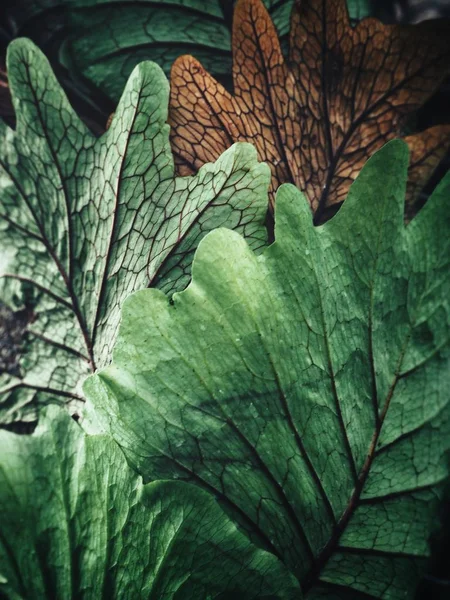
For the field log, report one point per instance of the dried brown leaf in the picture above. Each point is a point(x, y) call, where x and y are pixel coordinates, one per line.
point(317, 117)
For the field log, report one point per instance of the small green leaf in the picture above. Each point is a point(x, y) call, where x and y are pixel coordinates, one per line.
point(78, 523)
point(86, 221)
point(307, 387)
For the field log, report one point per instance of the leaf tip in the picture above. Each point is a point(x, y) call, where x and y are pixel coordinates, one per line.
point(149, 69)
point(23, 50)
point(217, 239)
point(246, 154)
point(140, 301)
point(185, 63)
point(291, 208)
point(27, 67)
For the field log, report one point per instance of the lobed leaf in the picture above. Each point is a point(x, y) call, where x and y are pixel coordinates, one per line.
point(77, 522)
point(85, 221)
point(318, 116)
point(306, 388)
point(101, 41)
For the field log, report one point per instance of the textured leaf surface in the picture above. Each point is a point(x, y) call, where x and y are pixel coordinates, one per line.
point(86, 221)
point(103, 40)
point(307, 387)
point(315, 119)
point(78, 523)
point(110, 38)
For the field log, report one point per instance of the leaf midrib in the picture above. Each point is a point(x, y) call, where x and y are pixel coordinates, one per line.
point(115, 214)
point(336, 156)
point(66, 278)
point(269, 88)
point(215, 491)
point(314, 575)
point(253, 452)
point(182, 234)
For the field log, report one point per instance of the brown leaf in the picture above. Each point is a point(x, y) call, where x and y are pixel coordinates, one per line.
point(427, 150)
point(316, 118)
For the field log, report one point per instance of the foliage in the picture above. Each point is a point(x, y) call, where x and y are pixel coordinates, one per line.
point(94, 45)
point(318, 116)
point(78, 523)
point(279, 429)
point(102, 41)
point(307, 387)
point(86, 221)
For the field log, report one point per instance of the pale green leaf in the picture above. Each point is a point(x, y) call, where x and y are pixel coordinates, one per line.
point(78, 523)
point(84, 221)
point(307, 387)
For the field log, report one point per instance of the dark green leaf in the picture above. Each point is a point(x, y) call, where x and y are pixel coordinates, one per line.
point(100, 42)
point(103, 40)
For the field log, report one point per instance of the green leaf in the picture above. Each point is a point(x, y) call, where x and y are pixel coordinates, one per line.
point(85, 221)
point(307, 387)
point(77, 522)
point(103, 40)
point(108, 38)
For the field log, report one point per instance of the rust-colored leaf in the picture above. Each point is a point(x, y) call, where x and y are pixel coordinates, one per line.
point(316, 118)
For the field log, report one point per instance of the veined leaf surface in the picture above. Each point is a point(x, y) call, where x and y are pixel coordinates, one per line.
point(104, 40)
point(78, 523)
point(317, 116)
point(86, 221)
point(307, 387)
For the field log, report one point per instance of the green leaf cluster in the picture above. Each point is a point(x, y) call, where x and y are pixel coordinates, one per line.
point(279, 428)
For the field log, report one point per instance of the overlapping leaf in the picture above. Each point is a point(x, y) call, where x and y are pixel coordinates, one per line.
point(307, 388)
point(109, 38)
point(78, 523)
point(104, 40)
point(86, 221)
point(317, 117)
